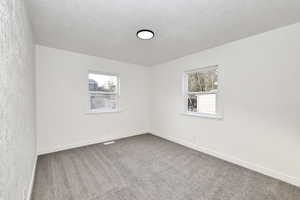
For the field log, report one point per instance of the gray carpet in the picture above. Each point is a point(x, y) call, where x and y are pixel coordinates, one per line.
point(149, 168)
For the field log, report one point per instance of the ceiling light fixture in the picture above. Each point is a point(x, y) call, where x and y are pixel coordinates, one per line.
point(145, 34)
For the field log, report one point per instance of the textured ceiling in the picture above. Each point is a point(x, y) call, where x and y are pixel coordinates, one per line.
point(107, 28)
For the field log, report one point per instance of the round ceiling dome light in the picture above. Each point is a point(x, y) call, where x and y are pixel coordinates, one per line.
point(145, 34)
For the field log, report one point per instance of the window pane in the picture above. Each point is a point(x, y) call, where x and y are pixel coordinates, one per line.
point(203, 81)
point(102, 83)
point(202, 103)
point(105, 102)
point(192, 103)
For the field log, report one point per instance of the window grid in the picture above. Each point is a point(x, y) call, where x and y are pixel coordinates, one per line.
point(103, 92)
point(201, 102)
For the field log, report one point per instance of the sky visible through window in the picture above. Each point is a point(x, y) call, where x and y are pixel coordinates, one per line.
point(103, 80)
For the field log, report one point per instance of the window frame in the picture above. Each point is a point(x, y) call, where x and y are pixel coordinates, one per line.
point(186, 93)
point(117, 93)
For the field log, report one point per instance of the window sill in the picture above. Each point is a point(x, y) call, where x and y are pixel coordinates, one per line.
point(209, 116)
point(102, 112)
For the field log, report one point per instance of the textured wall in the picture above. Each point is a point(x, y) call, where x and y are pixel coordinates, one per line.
point(17, 100)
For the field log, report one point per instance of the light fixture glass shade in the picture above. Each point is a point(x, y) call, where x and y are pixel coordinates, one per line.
point(145, 34)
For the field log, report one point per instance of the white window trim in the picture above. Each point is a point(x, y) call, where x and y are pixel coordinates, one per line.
point(185, 92)
point(117, 93)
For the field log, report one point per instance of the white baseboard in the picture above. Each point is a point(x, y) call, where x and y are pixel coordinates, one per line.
point(29, 193)
point(81, 144)
point(263, 170)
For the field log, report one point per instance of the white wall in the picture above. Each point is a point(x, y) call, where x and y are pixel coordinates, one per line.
point(62, 101)
point(261, 102)
point(17, 101)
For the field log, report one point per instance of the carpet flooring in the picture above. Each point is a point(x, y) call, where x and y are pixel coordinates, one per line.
point(147, 167)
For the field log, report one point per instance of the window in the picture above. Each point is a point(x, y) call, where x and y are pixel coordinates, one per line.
point(201, 91)
point(103, 92)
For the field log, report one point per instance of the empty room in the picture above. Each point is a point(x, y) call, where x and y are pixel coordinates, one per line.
point(149, 100)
